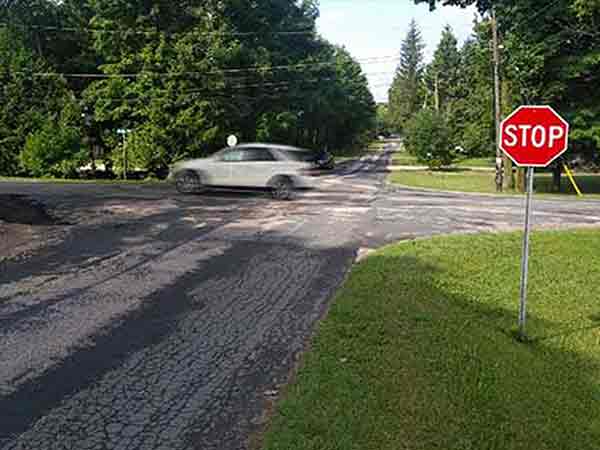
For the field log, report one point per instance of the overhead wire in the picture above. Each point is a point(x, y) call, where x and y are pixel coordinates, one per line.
point(220, 71)
point(159, 32)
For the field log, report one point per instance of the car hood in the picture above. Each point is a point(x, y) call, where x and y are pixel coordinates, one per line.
point(191, 163)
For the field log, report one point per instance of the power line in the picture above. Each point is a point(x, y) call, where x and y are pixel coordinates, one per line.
point(374, 60)
point(216, 92)
point(239, 87)
point(158, 32)
point(165, 33)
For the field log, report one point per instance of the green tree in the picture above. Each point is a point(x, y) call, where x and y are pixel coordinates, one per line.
point(181, 74)
point(442, 74)
point(472, 109)
point(146, 148)
point(428, 138)
point(190, 68)
point(406, 92)
point(26, 101)
point(482, 5)
point(54, 150)
point(384, 123)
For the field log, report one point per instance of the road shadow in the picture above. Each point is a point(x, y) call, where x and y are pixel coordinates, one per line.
point(21, 209)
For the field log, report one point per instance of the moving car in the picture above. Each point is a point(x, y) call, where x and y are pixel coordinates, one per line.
point(278, 168)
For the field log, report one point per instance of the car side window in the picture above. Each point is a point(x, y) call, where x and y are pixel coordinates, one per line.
point(233, 156)
point(258, 155)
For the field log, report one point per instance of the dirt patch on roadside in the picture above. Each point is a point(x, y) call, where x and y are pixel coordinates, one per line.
point(13, 237)
point(25, 227)
point(20, 209)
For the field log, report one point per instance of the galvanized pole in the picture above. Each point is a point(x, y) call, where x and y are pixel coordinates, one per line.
point(525, 259)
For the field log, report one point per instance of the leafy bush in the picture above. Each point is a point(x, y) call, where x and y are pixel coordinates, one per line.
point(145, 150)
point(53, 151)
point(477, 140)
point(24, 105)
point(428, 138)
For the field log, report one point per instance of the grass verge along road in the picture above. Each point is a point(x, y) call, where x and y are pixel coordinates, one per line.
point(406, 159)
point(472, 181)
point(418, 351)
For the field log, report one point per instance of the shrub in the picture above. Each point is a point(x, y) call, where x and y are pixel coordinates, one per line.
point(53, 151)
point(477, 140)
point(428, 138)
point(145, 151)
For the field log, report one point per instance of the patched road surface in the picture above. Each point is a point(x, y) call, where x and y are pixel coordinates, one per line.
point(148, 320)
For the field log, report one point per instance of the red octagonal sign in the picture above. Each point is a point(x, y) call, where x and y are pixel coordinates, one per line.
point(534, 136)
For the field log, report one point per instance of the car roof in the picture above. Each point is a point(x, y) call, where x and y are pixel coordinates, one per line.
point(273, 146)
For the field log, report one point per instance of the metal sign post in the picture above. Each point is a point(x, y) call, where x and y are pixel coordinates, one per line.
point(525, 258)
point(123, 132)
point(532, 136)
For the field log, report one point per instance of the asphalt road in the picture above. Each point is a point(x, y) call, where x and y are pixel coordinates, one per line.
point(154, 321)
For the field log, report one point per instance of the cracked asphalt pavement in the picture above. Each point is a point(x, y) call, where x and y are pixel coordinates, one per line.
point(149, 320)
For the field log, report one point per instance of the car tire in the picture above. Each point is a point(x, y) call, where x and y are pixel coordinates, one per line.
point(188, 182)
point(282, 188)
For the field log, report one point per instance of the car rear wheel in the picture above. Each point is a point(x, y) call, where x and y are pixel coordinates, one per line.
point(188, 182)
point(282, 189)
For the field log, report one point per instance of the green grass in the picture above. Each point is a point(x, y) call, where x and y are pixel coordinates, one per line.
point(466, 181)
point(588, 183)
point(75, 181)
point(376, 146)
point(418, 352)
point(404, 159)
point(477, 162)
point(472, 181)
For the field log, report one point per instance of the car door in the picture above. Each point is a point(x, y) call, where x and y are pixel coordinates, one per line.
point(222, 167)
point(256, 168)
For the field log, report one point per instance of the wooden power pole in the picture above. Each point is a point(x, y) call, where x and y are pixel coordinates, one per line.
point(497, 104)
point(437, 92)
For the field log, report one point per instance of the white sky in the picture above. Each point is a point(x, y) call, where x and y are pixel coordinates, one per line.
point(376, 28)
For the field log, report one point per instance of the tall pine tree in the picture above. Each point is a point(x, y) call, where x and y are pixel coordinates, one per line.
point(442, 73)
point(406, 92)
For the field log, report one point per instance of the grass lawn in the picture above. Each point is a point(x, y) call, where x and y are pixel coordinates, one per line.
point(76, 181)
point(417, 351)
point(471, 181)
point(477, 162)
point(467, 181)
point(404, 159)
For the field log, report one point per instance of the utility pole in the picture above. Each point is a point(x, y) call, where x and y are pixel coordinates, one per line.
point(437, 92)
point(124, 158)
point(497, 104)
point(123, 132)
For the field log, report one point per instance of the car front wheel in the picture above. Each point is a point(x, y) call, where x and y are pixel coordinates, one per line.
point(188, 182)
point(283, 189)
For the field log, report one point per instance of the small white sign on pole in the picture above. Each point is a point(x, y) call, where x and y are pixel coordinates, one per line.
point(232, 141)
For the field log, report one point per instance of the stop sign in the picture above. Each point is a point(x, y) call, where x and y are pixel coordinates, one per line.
point(534, 136)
